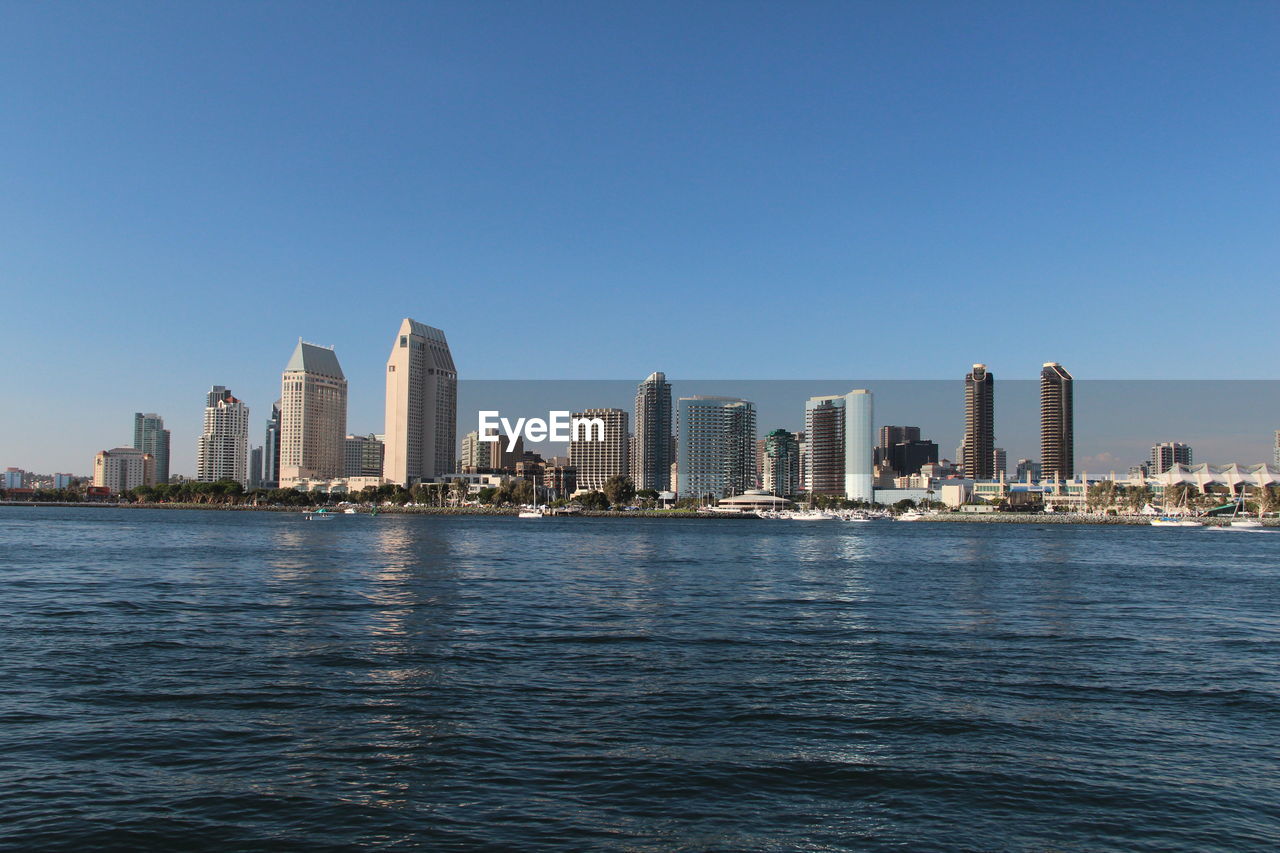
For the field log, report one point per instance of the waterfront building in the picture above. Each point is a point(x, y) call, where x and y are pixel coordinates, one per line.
point(1027, 468)
point(716, 453)
point(255, 468)
point(978, 457)
point(1166, 454)
point(802, 441)
point(123, 468)
point(652, 453)
point(475, 453)
point(313, 416)
point(150, 436)
point(271, 450)
point(1057, 422)
point(222, 451)
point(560, 480)
point(63, 481)
point(1277, 448)
point(15, 478)
point(891, 435)
point(905, 457)
point(841, 447)
point(999, 463)
point(421, 406)
point(596, 461)
point(780, 471)
point(362, 456)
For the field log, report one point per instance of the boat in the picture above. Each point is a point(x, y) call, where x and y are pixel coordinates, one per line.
point(811, 515)
point(910, 515)
point(1174, 521)
point(536, 512)
point(1245, 524)
point(321, 514)
point(350, 510)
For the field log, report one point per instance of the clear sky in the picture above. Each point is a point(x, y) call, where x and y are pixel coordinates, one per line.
point(600, 190)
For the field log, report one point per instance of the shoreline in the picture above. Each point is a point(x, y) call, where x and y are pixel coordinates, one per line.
point(945, 518)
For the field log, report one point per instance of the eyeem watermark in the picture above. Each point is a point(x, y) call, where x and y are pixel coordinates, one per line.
point(559, 426)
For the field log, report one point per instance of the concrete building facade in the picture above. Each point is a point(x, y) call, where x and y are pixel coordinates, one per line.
point(313, 416)
point(716, 448)
point(653, 451)
point(421, 405)
point(1057, 422)
point(123, 468)
point(222, 451)
point(596, 461)
point(977, 454)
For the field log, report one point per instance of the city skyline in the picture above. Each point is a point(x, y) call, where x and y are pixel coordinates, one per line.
point(869, 160)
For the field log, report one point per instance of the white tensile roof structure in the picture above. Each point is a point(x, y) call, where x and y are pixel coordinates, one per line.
point(1205, 474)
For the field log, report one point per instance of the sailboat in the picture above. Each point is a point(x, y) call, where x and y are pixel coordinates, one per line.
point(1244, 523)
point(1176, 520)
point(535, 511)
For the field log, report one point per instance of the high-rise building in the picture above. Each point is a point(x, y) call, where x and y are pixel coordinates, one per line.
point(124, 468)
point(422, 405)
point(475, 453)
point(1167, 454)
point(15, 478)
point(716, 450)
point(150, 436)
point(651, 461)
point(222, 451)
point(979, 424)
point(1025, 467)
point(1277, 451)
point(255, 467)
point(362, 456)
point(802, 441)
point(907, 457)
point(271, 450)
point(891, 435)
point(1057, 422)
point(841, 445)
point(597, 461)
point(999, 463)
point(313, 416)
point(780, 468)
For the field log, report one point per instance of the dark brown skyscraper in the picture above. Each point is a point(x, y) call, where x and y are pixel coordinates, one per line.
point(979, 424)
point(1057, 425)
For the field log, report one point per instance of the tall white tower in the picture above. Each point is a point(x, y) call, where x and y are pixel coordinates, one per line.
point(422, 406)
point(313, 416)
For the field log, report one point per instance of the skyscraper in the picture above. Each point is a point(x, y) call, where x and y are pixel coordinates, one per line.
point(651, 461)
point(716, 449)
point(1057, 422)
point(271, 450)
point(150, 436)
point(1167, 454)
point(840, 445)
point(222, 452)
point(597, 461)
point(1277, 450)
point(999, 463)
point(422, 405)
point(780, 471)
point(313, 416)
point(979, 424)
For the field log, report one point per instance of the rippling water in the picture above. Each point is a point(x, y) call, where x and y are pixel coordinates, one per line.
point(218, 681)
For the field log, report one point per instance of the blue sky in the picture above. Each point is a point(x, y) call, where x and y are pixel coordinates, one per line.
point(585, 190)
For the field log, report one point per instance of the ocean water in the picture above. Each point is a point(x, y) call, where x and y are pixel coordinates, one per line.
point(184, 680)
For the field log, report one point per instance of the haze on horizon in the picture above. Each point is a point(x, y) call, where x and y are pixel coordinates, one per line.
point(574, 190)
